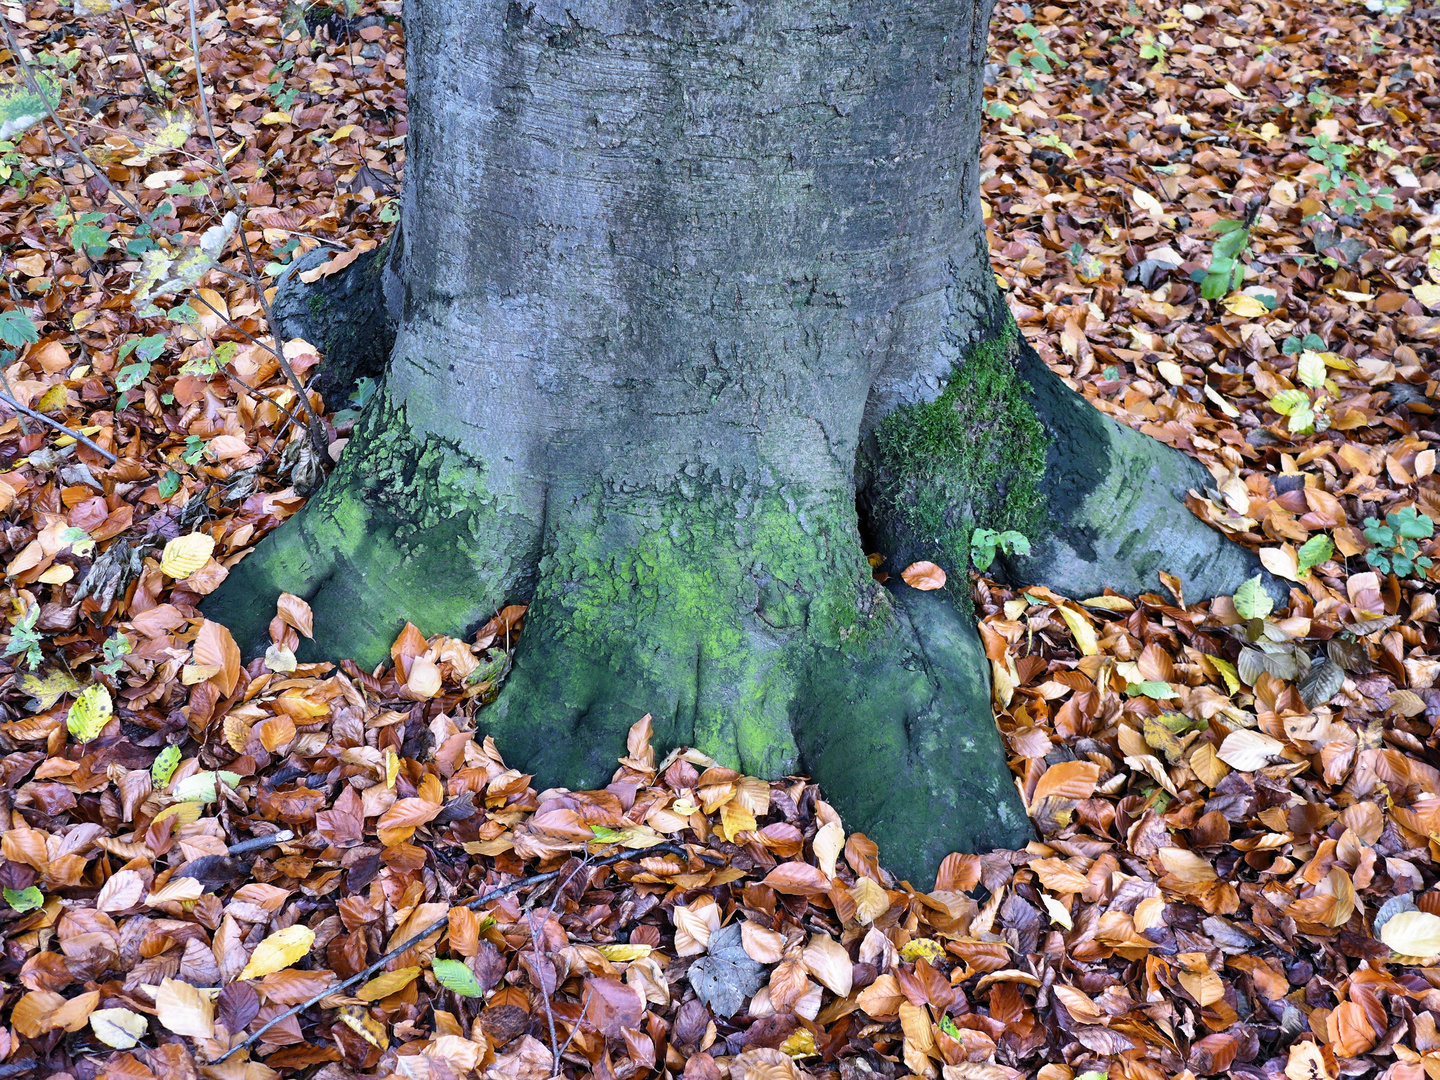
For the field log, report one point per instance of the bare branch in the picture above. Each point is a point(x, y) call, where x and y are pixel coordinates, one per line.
point(415, 939)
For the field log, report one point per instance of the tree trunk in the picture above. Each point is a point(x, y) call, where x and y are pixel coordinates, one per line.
point(680, 281)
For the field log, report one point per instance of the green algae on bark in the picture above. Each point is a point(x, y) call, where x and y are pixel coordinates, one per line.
point(399, 515)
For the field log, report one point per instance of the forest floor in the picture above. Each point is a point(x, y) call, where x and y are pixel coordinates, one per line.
point(1240, 808)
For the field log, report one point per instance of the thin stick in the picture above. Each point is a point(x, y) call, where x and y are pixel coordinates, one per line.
point(530, 921)
point(34, 87)
point(258, 843)
point(106, 454)
point(138, 58)
point(493, 894)
point(314, 427)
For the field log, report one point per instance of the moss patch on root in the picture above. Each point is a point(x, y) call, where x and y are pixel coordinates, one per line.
point(972, 458)
point(702, 604)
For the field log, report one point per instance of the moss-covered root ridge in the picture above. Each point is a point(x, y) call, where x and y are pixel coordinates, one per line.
point(1008, 446)
point(971, 458)
point(747, 625)
point(398, 515)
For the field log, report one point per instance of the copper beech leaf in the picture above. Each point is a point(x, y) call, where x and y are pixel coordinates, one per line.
point(925, 576)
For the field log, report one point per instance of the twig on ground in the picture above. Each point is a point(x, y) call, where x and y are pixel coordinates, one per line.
point(439, 924)
point(256, 843)
point(106, 454)
point(314, 427)
point(535, 944)
point(138, 58)
point(33, 85)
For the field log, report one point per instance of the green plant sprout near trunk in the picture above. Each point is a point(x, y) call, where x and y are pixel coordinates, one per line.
point(689, 312)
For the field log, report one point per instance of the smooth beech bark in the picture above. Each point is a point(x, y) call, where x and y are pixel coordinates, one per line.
point(687, 298)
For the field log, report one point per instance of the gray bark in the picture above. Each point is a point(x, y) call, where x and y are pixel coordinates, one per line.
point(664, 268)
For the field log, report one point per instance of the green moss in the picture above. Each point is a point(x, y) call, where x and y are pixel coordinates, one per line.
point(702, 604)
point(972, 458)
point(399, 513)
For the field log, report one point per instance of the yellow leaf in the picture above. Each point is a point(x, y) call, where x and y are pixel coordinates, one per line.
point(1429, 295)
point(1247, 307)
point(279, 951)
point(623, 954)
point(1148, 203)
point(915, 948)
point(57, 575)
point(343, 133)
point(828, 844)
point(1059, 913)
point(735, 819)
point(1281, 561)
point(1081, 629)
point(90, 713)
point(1225, 407)
point(382, 986)
point(1412, 933)
point(185, 1010)
point(186, 554)
point(118, 1028)
point(364, 1025)
point(1170, 372)
point(49, 687)
point(871, 901)
point(800, 1044)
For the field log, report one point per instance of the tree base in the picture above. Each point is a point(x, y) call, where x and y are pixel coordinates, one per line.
point(397, 521)
point(346, 315)
point(1114, 501)
point(741, 614)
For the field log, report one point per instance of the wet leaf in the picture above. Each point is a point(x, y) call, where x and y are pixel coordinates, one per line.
point(925, 576)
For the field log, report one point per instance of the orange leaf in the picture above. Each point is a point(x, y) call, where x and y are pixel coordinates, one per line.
point(925, 576)
point(296, 612)
point(464, 931)
point(1350, 1031)
point(400, 822)
point(34, 1014)
point(1068, 780)
point(214, 647)
point(410, 644)
point(276, 732)
point(797, 879)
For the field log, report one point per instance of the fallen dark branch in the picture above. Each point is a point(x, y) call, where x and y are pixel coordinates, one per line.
point(493, 894)
point(256, 843)
point(106, 454)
